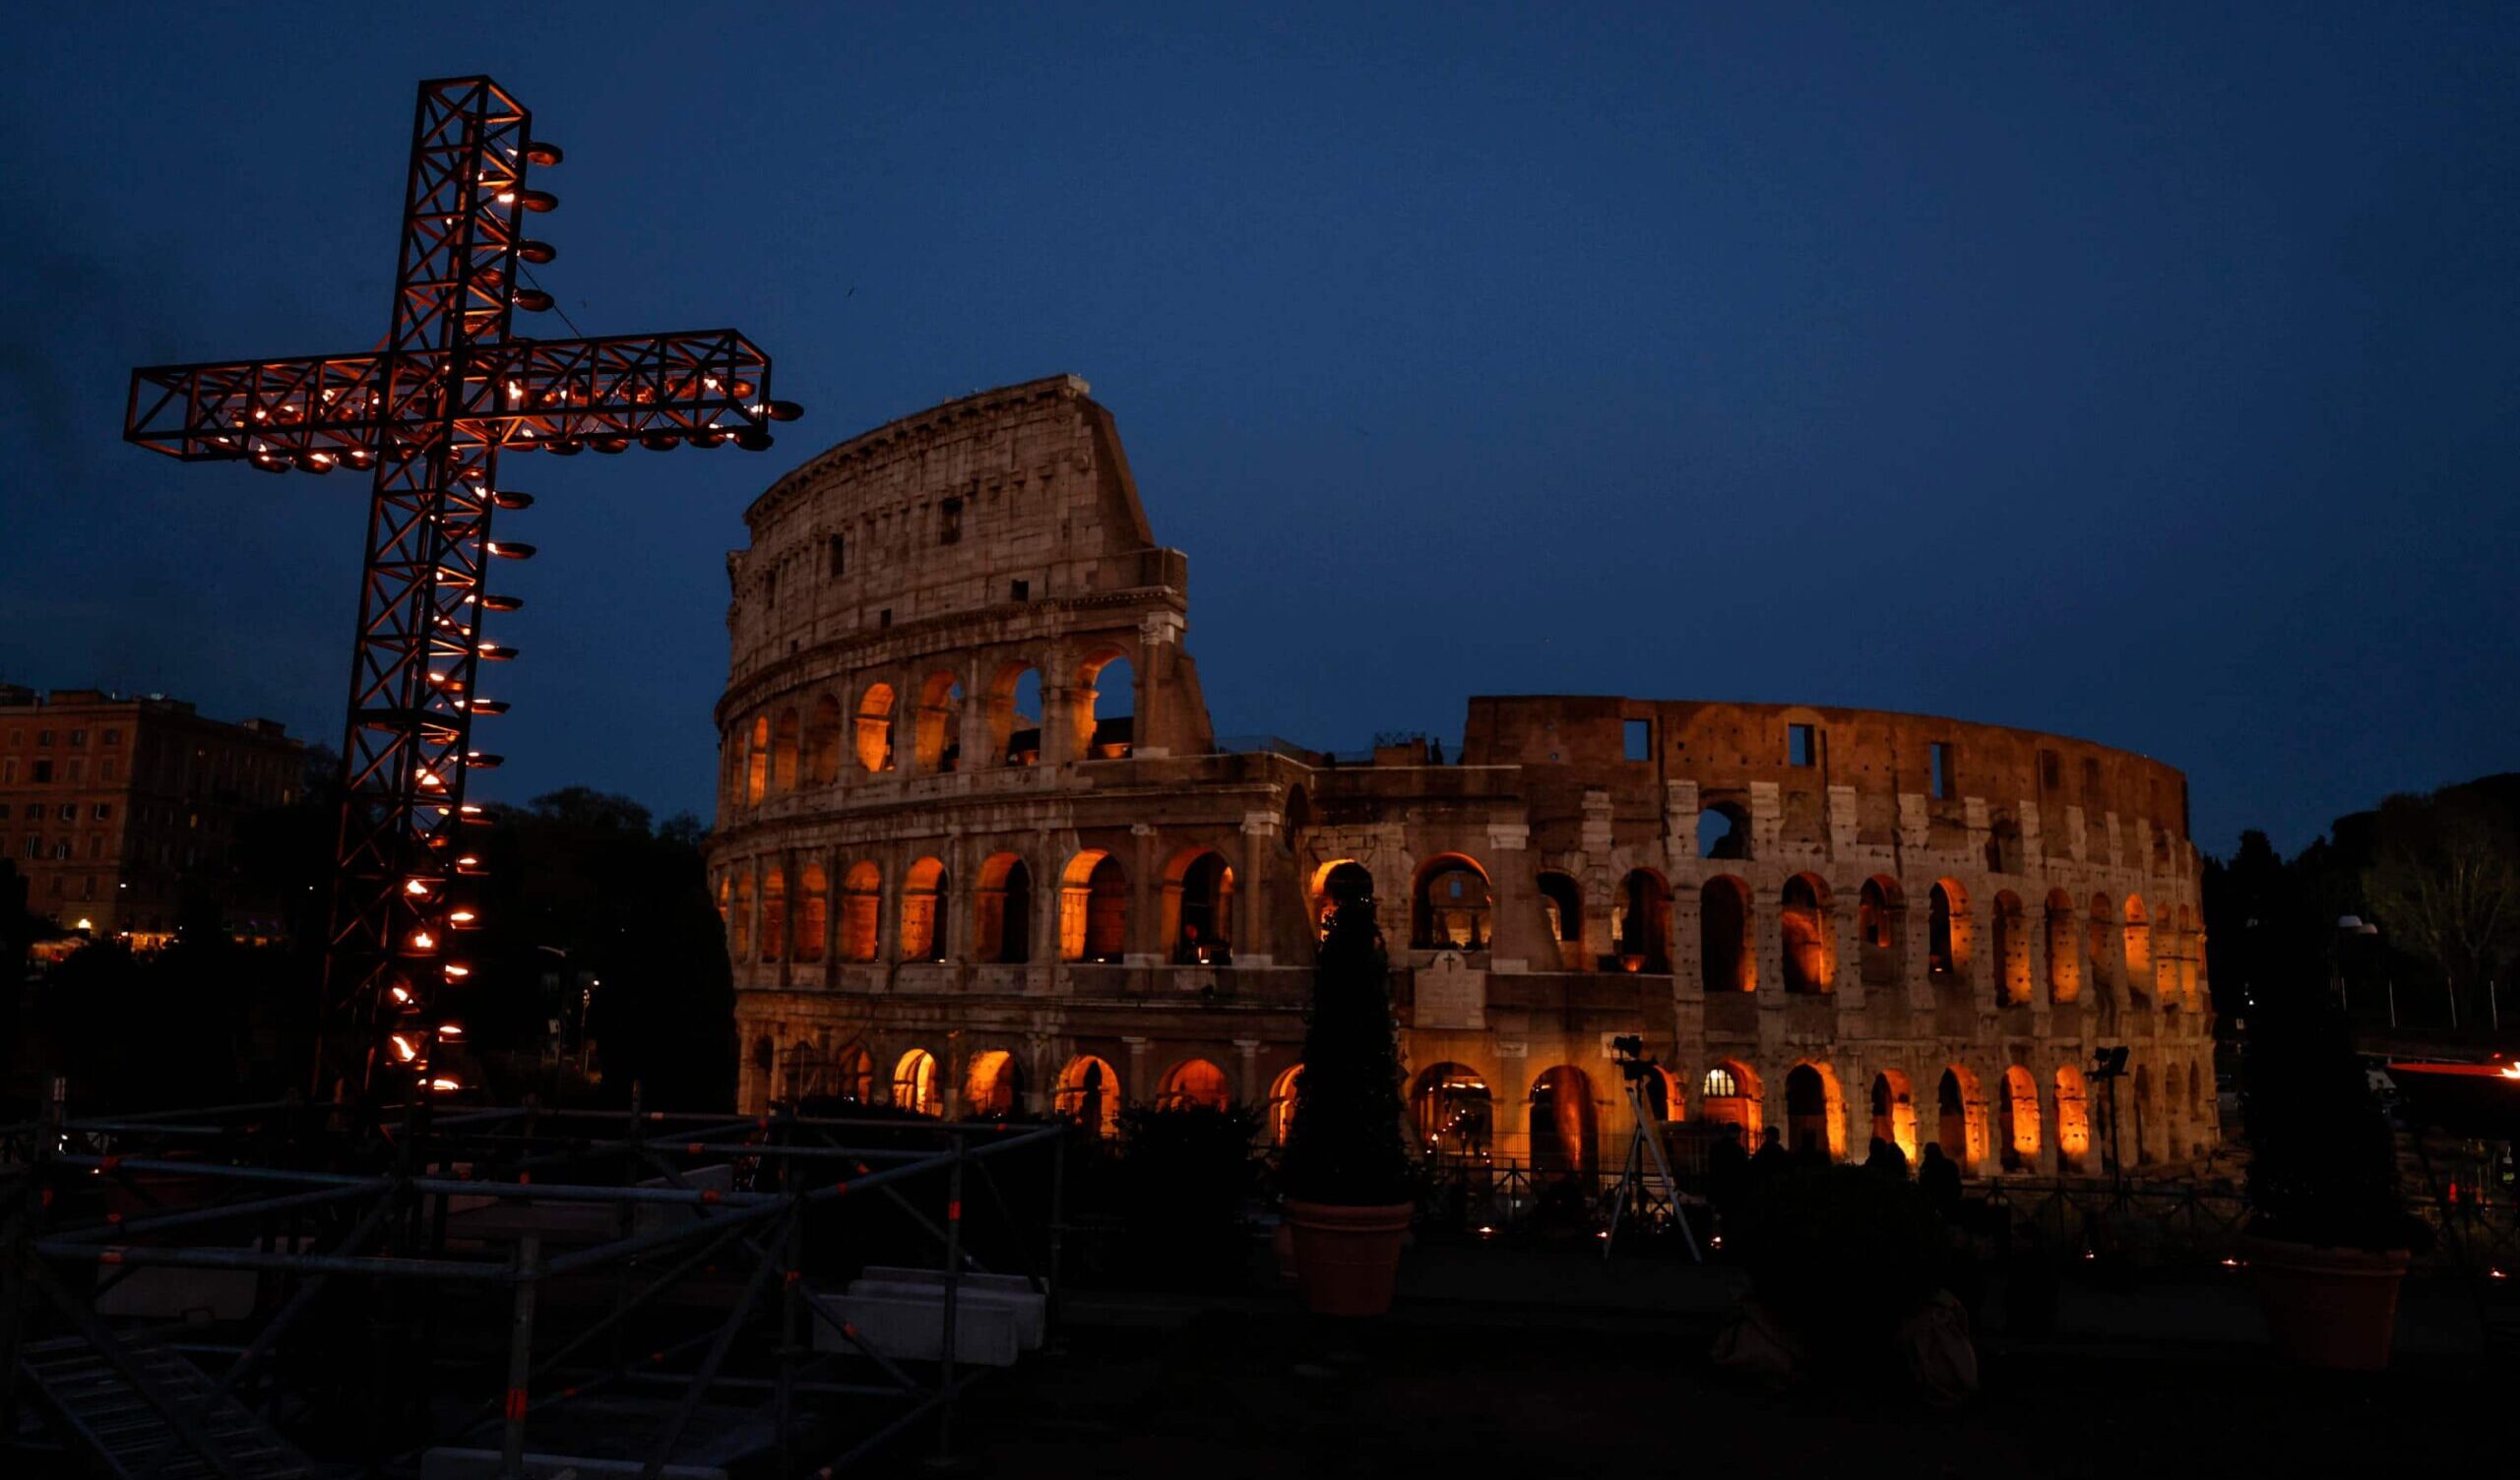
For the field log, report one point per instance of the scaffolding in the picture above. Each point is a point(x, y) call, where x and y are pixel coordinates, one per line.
point(509, 1265)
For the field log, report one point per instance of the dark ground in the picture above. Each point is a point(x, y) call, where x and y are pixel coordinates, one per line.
point(1570, 1387)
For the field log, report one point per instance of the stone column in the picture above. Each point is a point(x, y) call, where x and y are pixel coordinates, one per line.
point(1159, 647)
point(1145, 949)
point(1252, 942)
point(1511, 946)
point(1137, 1091)
point(1253, 1092)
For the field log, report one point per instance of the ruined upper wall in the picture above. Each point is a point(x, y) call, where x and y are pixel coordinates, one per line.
point(1727, 748)
point(1016, 495)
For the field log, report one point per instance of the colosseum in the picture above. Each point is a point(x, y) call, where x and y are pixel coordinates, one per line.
point(978, 851)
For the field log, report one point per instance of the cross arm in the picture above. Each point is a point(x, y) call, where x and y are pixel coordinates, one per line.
point(705, 385)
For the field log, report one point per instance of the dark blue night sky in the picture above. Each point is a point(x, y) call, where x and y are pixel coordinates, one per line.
point(2145, 373)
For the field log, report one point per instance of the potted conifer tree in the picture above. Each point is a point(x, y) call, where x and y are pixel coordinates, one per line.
point(1348, 1181)
point(2329, 1234)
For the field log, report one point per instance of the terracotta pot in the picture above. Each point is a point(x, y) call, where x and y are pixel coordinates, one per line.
point(1345, 1256)
point(2334, 1308)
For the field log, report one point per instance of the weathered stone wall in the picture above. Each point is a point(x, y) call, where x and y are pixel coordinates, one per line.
point(1991, 915)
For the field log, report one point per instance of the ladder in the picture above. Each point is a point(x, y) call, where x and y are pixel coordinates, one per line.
point(122, 1434)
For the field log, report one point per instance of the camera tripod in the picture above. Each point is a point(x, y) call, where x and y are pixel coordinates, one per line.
point(1644, 1151)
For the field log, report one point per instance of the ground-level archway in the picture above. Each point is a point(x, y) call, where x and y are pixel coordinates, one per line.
point(1563, 1126)
point(1452, 1112)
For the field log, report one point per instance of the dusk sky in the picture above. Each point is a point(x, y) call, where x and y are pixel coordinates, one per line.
point(2143, 373)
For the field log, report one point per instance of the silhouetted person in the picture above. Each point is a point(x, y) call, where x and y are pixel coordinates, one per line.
point(1887, 1160)
point(1940, 1179)
point(1812, 1155)
point(1727, 1177)
point(1770, 1159)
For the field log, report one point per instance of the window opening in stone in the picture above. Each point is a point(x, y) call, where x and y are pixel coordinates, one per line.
point(1094, 910)
point(1639, 736)
point(839, 555)
point(1450, 908)
point(1453, 1113)
point(1940, 759)
point(939, 727)
point(1724, 934)
point(1641, 922)
point(1002, 919)
point(1723, 832)
point(875, 729)
point(924, 901)
point(1801, 745)
point(812, 913)
point(1809, 954)
point(1561, 903)
point(949, 521)
point(1108, 724)
point(1194, 1085)
point(1205, 911)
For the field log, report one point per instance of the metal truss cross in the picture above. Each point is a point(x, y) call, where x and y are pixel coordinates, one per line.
point(429, 411)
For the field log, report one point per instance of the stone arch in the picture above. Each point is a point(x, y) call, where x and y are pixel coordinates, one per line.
point(813, 917)
point(739, 919)
point(1194, 1085)
point(2020, 1120)
point(1449, 903)
point(1881, 931)
point(822, 741)
point(2138, 952)
point(2191, 942)
point(2065, 949)
point(1198, 907)
point(936, 730)
point(774, 912)
point(1089, 1094)
point(875, 729)
point(1960, 1117)
point(993, 1085)
point(2101, 946)
point(1106, 705)
point(1094, 908)
point(1894, 1112)
point(1949, 932)
point(1803, 926)
point(925, 891)
point(1727, 959)
point(914, 1083)
point(1641, 922)
point(1002, 911)
point(1451, 1112)
point(1339, 880)
point(1282, 1103)
point(1015, 714)
point(2013, 952)
point(2003, 844)
point(1563, 1125)
point(757, 762)
point(1815, 1112)
point(1729, 1095)
point(2073, 1120)
point(861, 904)
point(852, 1076)
point(1723, 830)
point(1561, 910)
point(785, 739)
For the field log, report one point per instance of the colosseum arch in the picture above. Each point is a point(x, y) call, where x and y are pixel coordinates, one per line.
point(1089, 1094)
point(774, 912)
point(925, 891)
point(1015, 714)
point(2073, 1120)
point(1950, 933)
point(1197, 908)
point(1723, 830)
point(1960, 1117)
point(1729, 1095)
point(813, 914)
point(914, 1083)
point(1810, 948)
point(1194, 1085)
point(1094, 908)
point(757, 762)
point(1881, 932)
point(1815, 1109)
point(785, 738)
point(1002, 911)
point(1449, 903)
point(822, 741)
point(1641, 922)
point(875, 729)
point(936, 733)
point(1563, 1125)
point(1727, 959)
point(2020, 1120)
point(1105, 718)
point(1561, 910)
point(2013, 987)
point(739, 919)
point(1452, 1112)
point(2138, 951)
point(2100, 949)
point(993, 1085)
point(861, 904)
point(1894, 1112)
point(2065, 949)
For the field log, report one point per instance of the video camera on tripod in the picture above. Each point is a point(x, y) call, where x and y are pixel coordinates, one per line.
point(1644, 1155)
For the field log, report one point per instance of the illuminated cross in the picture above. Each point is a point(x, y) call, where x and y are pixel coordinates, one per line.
point(429, 413)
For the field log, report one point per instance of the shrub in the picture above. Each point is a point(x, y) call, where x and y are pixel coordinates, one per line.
point(2322, 1159)
point(1344, 1145)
